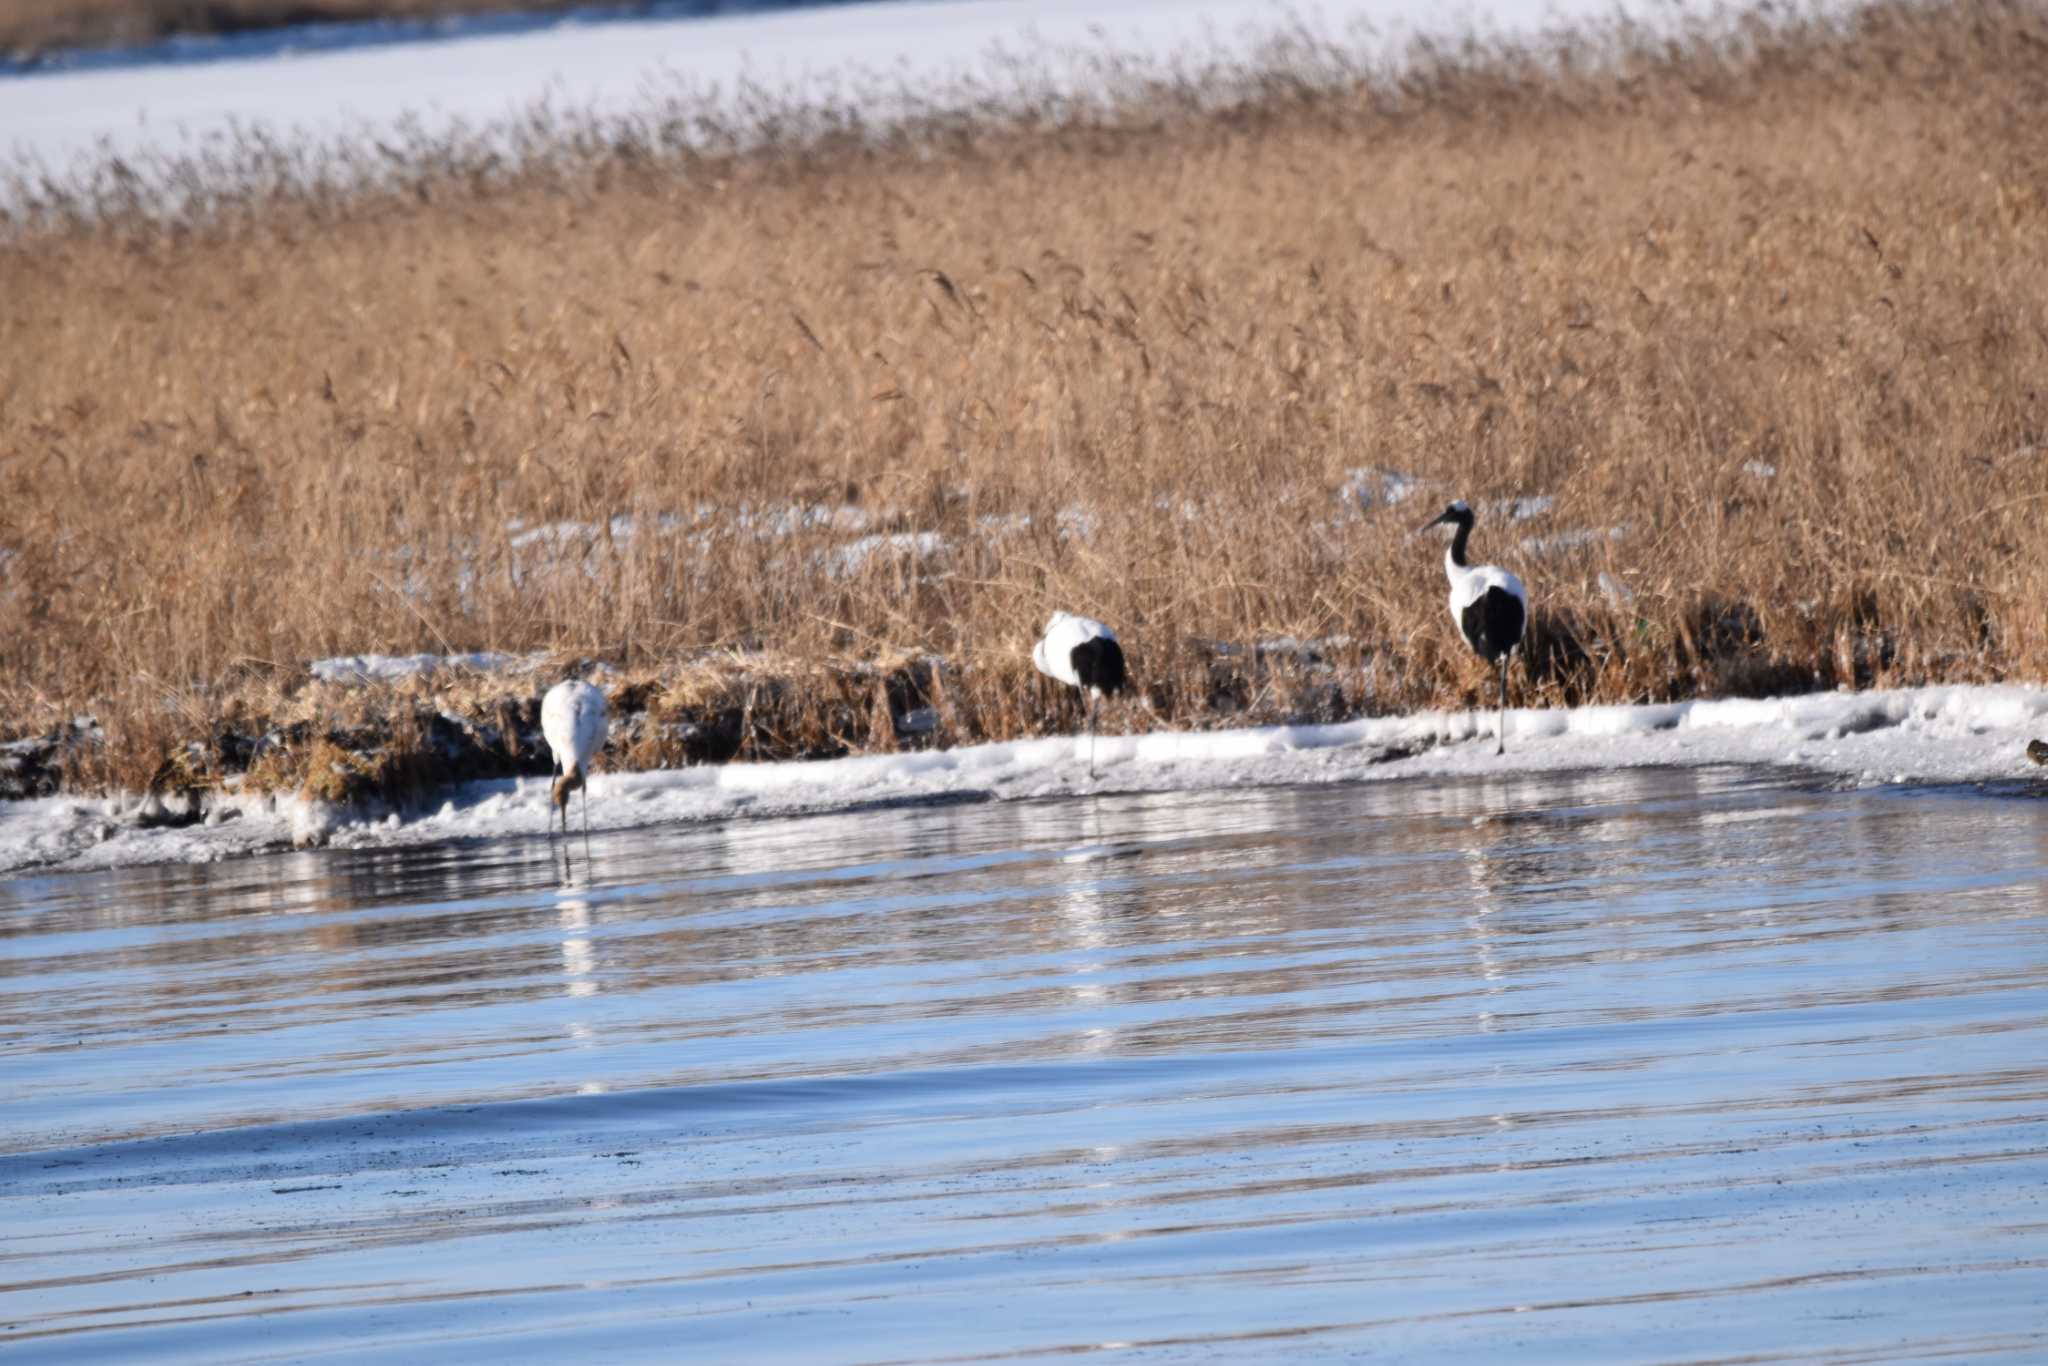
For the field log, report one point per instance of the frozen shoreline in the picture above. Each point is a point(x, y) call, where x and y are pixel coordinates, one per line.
point(1934, 735)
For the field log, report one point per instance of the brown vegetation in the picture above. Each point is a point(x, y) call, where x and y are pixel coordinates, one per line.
point(1773, 303)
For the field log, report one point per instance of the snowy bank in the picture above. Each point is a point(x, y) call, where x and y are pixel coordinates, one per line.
point(896, 57)
point(1933, 735)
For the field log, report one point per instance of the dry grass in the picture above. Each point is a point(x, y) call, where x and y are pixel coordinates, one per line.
point(318, 423)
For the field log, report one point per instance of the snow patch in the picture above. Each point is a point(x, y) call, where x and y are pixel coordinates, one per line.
point(1519, 509)
point(848, 560)
point(1558, 542)
point(564, 535)
point(1369, 488)
point(352, 670)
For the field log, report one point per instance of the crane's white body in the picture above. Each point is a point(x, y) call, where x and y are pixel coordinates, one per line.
point(572, 717)
point(1054, 655)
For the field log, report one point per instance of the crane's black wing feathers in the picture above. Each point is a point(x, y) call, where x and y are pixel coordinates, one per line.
point(1099, 664)
point(1493, 623)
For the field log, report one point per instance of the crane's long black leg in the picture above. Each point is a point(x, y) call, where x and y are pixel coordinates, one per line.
point(1093, 703)
point(555, 773)
point(1503, 749)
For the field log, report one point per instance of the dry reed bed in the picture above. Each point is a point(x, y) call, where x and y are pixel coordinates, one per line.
point(1121, 362)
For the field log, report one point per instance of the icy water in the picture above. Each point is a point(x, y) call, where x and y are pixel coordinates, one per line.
point(1642, 1066)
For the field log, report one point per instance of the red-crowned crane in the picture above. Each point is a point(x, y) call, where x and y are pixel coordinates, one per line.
point(1083, 654)
point(1489, 604)
point(572, 717)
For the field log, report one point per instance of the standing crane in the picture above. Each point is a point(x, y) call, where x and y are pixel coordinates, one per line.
point(1083, 654)
point(1489, 604)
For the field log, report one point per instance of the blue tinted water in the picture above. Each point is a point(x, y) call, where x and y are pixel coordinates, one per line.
point(1652, 1065)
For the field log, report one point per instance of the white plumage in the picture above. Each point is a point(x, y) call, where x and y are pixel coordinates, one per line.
point(572, 717)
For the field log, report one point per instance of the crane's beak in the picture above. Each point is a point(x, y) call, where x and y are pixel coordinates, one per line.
point(1437, 520)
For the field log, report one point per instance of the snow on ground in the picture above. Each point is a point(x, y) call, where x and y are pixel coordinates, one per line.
point(882, 57)
point(1366, 488)
point(354, 669)
point(1557, 543)
point(848, 560)
point(574, 535)
point(1940, 735)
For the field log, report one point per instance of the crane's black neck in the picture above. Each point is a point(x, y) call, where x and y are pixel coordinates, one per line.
point(1458, 544)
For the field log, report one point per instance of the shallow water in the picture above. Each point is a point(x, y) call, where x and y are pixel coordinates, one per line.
point(1644, 1065)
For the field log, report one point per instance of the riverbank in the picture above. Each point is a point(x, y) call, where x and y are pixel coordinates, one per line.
point(1942, 737)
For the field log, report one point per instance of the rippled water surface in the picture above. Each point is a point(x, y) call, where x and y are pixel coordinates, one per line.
point(1656, 1065)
